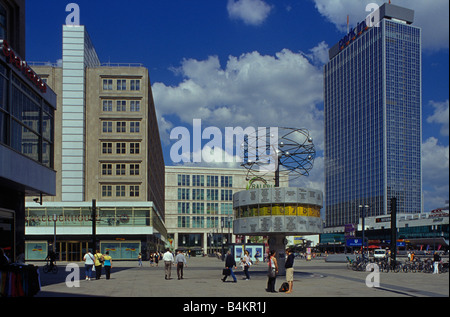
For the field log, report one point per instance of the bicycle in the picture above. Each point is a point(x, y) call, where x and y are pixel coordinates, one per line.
point(50, 268)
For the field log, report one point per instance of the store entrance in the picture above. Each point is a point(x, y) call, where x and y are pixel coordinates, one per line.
point(72, 251)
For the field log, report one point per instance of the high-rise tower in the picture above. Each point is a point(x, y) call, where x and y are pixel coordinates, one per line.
point(372, 100)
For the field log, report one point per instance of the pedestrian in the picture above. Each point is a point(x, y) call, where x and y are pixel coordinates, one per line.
point(168, 261)
point(246, 262)
point(289, 265)
point(272, 272)
point(107, 264)
point(140, 259)
point(437, 260)
point(156, 257)
point(229, 264)
point(150, 258)
point(180, 260)
point(88, 264)
point(98, 264)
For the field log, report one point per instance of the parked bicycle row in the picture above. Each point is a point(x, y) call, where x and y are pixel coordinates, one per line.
point(386, 265)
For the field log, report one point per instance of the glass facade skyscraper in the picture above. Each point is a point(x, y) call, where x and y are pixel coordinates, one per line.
point(372, 101)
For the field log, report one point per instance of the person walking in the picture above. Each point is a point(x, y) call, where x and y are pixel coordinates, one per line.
point(246, 263)
point(168, 261)
point(289, 265)
point(107, 265)
point(140, 259)
point(272, 272)
point(98, 264)
point(88, 264)
point(436, 260)
point(180, 261)
point(229, 264)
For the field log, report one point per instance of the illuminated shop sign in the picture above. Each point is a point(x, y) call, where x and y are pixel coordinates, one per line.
point(17, 62)
point(353, 34)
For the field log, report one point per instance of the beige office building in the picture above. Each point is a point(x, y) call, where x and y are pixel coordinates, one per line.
point(199, 206)
point(107, 149)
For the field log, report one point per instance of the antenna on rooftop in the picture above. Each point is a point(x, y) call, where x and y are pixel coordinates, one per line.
point(348, 24)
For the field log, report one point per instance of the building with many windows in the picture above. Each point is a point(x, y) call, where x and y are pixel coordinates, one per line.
point(372, 107)
point(27, 109)
point(108, 150)
point(199, 206)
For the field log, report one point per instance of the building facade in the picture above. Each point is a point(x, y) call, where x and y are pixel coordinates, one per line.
point(199, 206)
point(372, 100)
point(108, 151)
point(27, 109)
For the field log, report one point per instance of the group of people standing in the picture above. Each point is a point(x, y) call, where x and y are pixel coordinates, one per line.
point(230, 264)
point(95, 262)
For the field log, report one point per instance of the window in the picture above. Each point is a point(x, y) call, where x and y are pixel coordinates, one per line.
point(226, 181)
point(183, 208)
point(134, 191)
point(3, 15)
point(135, 106)
point(134, 127)
point(121, 105)
point(183, 194)
point(107, 105)
point(134, 169)
point(106, 191)
point(198, 208)
point(198, 180)
point(183, 180)
point(106, 169)
point(120, 148)
point(120, 191)
point(198, 194)
point(212, 194)
point(106, 148)
point(135, 84)
point(120, 169)
point(121, 84)
point(107, 84)
point(134, 148)
point(226, 194)
point(121, 127)
point(212, 181)
point(107, 126)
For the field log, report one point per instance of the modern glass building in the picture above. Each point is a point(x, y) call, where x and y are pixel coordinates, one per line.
point(372, 101)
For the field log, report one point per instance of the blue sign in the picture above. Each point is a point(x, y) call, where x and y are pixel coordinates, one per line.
point(354, 242)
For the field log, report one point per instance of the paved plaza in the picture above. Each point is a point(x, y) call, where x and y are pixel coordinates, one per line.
point(202, 278)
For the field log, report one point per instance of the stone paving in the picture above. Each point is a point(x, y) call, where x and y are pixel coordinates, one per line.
point(202, 278)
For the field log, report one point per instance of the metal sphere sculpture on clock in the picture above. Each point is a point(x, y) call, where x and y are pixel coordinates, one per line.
point(283, 151)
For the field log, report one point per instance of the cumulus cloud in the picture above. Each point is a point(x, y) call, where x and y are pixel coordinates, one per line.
point(431, 15)
point(251, 12)
point(435, 166)
point(440, 116)
point(251, 90)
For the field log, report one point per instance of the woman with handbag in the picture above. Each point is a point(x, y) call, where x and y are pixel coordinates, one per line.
point(272, 272)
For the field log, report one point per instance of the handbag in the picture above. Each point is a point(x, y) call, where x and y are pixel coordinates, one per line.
point(271, 272)
point(226, 272)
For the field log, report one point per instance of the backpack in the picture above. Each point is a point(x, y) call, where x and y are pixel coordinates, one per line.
point(284, 287)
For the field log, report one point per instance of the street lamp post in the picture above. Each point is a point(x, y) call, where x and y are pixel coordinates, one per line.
point(363, 216)
point(54, 232)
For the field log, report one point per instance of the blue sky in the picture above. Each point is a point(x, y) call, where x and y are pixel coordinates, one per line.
point(249, 63)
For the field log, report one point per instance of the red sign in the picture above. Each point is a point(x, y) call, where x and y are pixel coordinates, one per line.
point(16, 61)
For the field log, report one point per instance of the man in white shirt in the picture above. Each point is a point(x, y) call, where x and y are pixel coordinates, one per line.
point(168, 261)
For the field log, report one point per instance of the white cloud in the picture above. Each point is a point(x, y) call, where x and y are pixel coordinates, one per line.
point(435, 167)
point(251, 90)
point(252, 12)
point(440, 116)
point(431, 15)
